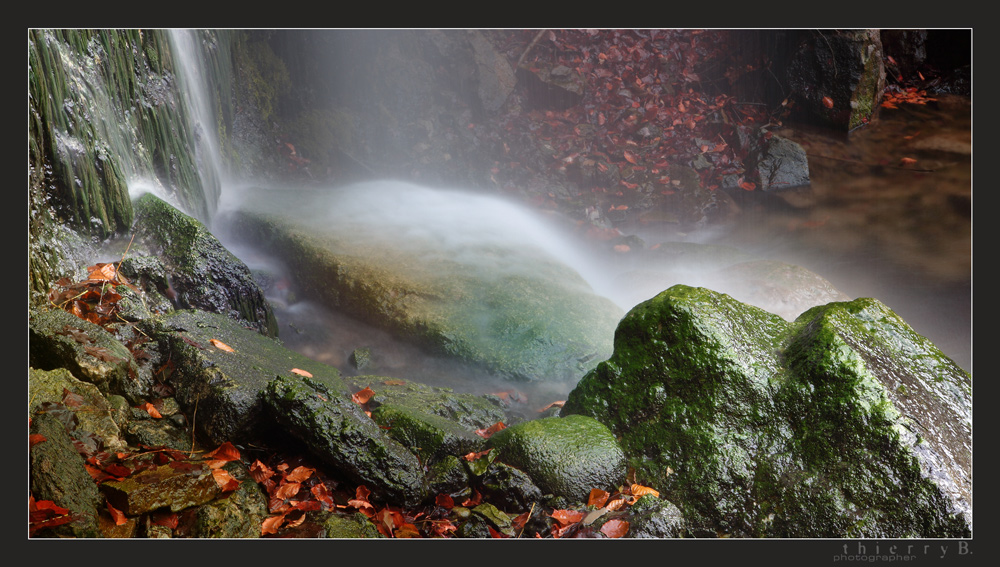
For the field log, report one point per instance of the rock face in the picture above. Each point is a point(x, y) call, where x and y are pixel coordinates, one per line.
point(459, 273)
point(843, 423)
point(838, 77)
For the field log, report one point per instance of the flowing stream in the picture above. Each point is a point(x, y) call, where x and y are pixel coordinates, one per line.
point(870, 223)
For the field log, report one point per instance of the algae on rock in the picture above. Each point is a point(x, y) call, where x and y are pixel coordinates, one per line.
point(758, 427)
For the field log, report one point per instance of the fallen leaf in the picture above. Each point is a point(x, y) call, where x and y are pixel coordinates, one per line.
point(302, 372)
point(34, 439)
point(299, 474)
point(226, 482)
point(597, 498)
point(225, 452)
point(260, 472)
point(361, 398)
point(116, 514)
point(270, 525)
point(828, 102)
point(489, 431)
point(151, 410)
point(639, 490)
point(615, 528)
point(474, 456)
point(164, 518)
point(567, 517)
point(221, 345)
point(555, 404)
point(629, 157)
point(445, 501)
point(907, 161)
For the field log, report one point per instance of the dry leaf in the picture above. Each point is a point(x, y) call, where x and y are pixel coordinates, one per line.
point(302, 372)
point(361, 398)
point(615, 528)
point(221, 345)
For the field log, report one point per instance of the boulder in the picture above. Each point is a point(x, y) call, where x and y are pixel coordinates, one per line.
point(463, 275)
point(843, 423)
point(224, 388)
point(192, 267)
point(565, 457)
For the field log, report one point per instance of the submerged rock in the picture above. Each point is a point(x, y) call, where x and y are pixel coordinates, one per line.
point(843, 423)
point(461, 274)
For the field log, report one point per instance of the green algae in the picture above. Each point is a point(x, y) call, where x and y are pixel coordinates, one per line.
point(758, 427)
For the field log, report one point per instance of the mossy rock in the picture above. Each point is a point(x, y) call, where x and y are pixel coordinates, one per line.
point(226, 387)
point(755, 426)
point(564, 456)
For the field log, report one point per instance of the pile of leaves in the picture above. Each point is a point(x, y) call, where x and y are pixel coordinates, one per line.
point(93, 299)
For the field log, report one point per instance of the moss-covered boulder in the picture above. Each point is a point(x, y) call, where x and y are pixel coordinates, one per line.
point(59, 339)
point(337, 430)
point(455, 272)
point(565, 457)
point(226, 386)
point(843, 423)
point(92, 415)
point(194, 268)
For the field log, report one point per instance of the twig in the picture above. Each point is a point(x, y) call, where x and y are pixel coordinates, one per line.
point(194, 417)
point(538, 36)
point(530, 512)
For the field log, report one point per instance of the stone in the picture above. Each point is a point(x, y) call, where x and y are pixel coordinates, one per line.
point(564, 456)
point(842, 423)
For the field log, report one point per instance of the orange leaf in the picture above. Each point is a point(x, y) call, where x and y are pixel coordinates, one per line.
point(260, 472)
point(489, 431)
point(287, 490)
point(322, 493)
point(34, 439)
point(271, 525)
point(828, 102)
point(907, 161)
point(597, 498)
point(221, 345)
point(225, 452)
point(226, 482)
point(615, 528)
point(639, 490)
point(299, 474)
point(518, 522)
point(361, 398)
point(301, 372)
point(151, 410)
point(474, 456)
point(495, 534)
point(556, 404)
point(406, 531)
point(116, 514)
point(615, 504)
point(748, 185)
point(567, 517)
point(629, 156)
point(164, 518)
point(101, 272)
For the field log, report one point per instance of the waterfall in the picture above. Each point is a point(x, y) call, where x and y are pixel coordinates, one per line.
point(188, 49)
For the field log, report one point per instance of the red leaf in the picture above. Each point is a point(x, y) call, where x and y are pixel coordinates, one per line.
point(828, 102)
point(907, 161)
point(445, 501)
point(164, 518)
point(615, 528)
point(567, 517)
point(117, 515)
point(630, 157)
point(34, 439)
point(225, 452)
point(495, 534)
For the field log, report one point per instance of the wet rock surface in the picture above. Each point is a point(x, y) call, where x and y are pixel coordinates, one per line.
point(814, 423)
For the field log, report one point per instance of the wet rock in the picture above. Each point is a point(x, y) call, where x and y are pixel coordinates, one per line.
point(60, 339)
point(780, 164)
point(198, 272)
point(162, 487)
point(651, 517)
point(353, 526)
point(361, 358)
point(843, 423)
point(838, 77)
point(58, 474)
point(509, 487)
point(238, 515)
point(337, 430)
point(447, 476)
point(438, 269)
point(430, 436)
point(89, 417)
point(226, 387)
point(564, 456)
